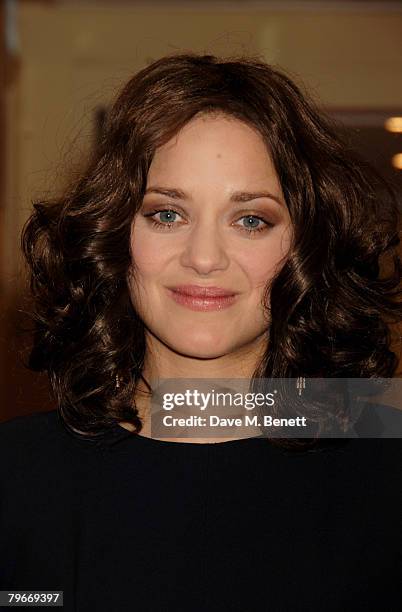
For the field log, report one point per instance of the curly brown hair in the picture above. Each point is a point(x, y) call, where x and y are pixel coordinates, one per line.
point(335, 306)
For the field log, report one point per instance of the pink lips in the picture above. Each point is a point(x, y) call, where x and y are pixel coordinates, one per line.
point(202, 298)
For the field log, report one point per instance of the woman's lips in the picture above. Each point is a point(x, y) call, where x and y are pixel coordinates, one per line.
point(204, 302)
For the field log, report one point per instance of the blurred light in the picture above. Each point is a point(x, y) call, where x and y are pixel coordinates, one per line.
point(393, 124)
point(397, 161)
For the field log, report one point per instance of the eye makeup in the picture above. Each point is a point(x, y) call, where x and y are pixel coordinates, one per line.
point(263, 226)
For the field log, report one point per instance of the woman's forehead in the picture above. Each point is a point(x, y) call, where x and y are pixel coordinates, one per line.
point(214, 145)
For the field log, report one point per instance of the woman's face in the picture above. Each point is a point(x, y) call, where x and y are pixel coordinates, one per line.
point(221, 231)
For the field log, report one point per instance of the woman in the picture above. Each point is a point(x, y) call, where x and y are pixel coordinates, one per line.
point(221, 230)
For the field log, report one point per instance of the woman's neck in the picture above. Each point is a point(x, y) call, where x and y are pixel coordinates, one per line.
point(162, 363)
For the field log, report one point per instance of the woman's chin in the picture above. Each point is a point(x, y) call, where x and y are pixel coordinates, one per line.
point(205, 349)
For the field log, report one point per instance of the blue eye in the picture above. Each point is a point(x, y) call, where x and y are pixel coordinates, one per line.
point(170, 215)
point(252, 222)
point(253, 226)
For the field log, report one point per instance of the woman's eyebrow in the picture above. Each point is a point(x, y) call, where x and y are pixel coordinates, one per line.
point(236, 196)
point(247, 196)
point(172, 193)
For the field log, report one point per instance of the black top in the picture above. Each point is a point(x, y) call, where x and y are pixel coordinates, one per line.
point(144, 525)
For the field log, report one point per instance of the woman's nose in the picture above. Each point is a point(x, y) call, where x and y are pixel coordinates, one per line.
point(204, 249)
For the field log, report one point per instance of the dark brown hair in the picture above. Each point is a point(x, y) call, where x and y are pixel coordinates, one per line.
point(335, 307)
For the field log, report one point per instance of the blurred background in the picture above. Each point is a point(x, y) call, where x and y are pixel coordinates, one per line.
point(62, 62)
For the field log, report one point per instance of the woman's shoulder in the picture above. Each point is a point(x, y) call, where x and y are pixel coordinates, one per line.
point(28, 420)
point(26, 429)
point(30, 441)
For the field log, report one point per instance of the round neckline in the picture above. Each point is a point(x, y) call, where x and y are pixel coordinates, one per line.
point(122, 432)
